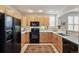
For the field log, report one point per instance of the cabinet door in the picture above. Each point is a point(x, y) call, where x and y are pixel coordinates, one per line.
point(41, 21)
point(44, 21)
point(49, 37)
point(59, 44)
point(54, 39)
point(44, 37)
point(27, 37)
point(22, 40)
point(24, 21)
point(69, 47)
point(29, 22)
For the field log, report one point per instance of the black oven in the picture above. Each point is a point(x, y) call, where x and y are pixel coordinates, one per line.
point(34, 34)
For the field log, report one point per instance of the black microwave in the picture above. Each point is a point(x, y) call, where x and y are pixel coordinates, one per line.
point(34, 24)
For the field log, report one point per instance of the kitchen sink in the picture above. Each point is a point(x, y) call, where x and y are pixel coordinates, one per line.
point(63, 34)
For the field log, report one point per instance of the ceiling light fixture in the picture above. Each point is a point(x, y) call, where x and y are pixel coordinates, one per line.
point(40, 11)
point(30, 11)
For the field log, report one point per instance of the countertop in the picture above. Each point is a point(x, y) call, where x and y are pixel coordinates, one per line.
point(71, 38)
point(22, 32)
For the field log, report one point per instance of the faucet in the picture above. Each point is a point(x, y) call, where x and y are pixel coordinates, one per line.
point(66, 31)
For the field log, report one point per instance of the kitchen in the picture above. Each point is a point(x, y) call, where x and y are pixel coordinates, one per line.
point(45, 28)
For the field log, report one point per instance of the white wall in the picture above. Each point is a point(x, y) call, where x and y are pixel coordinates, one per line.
point(65, 20)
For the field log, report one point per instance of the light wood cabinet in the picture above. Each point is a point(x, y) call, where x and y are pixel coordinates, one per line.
point(27, 37)
point(45, 37)
point(41, 21)
point(44, 21)
point(24, 21)
point(2, 8)
point(50, 37)
point(57, 42)
point(29, 22)
point(24, 38)
point(54, 39)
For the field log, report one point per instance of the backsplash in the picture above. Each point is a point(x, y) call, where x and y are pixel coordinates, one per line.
point(73, 33)
point(51, 28)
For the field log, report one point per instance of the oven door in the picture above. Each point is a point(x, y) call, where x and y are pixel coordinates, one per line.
point(34, 36)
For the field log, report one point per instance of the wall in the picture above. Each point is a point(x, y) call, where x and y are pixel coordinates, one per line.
point(65, 20)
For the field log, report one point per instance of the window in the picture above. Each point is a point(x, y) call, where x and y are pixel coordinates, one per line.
point(73, 23)
point(52, 21)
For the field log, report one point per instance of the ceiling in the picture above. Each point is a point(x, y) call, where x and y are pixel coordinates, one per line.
point(46, 9)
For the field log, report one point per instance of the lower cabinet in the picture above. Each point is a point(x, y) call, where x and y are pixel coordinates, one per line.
point(24, 38)
point(57, 42)
point(69, 47)
point(63, 45)
point(45, 37)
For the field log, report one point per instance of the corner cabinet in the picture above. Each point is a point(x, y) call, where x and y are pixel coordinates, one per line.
point(57, 42)
point(64, 45)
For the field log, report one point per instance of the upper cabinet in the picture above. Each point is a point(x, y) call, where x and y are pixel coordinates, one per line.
point(10, 11)
point(43, 20)
point(24, 21)
point(2, 8)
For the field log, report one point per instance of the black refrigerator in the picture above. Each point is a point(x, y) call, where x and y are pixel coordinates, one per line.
point(17, 34)
point(7, 34)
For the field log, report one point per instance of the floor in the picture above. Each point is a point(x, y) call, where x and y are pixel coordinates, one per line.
point(39, 48)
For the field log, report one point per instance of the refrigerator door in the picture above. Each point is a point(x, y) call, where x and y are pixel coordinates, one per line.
point(9, 41)
point(2, 35)
point(17, 34)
